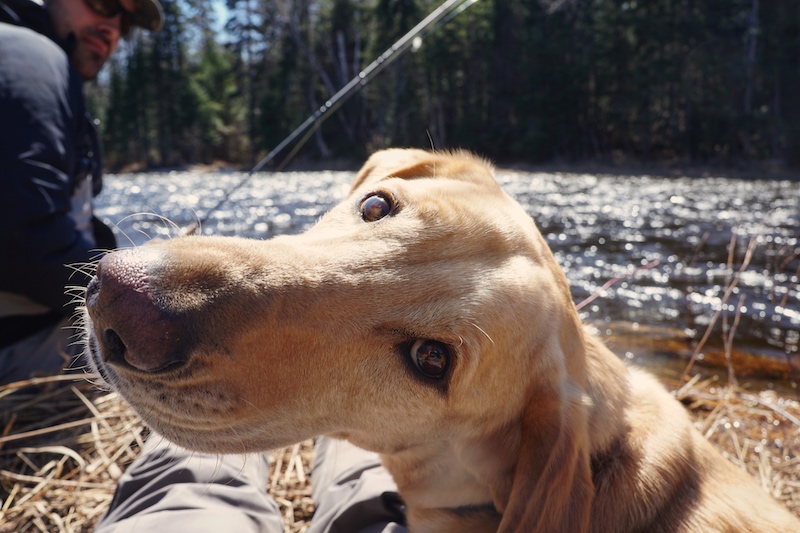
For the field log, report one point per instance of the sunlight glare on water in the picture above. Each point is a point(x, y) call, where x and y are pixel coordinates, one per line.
point(599, 227)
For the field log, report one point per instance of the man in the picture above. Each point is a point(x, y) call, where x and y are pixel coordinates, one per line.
point(50, 168)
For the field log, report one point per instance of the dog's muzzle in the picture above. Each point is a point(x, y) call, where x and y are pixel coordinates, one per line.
point(131, 325)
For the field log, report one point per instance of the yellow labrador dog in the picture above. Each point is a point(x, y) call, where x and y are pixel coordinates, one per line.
point(426, 319)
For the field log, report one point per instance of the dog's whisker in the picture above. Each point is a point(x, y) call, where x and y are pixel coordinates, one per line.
point(166, 221)
point(77, 298)
point(125, 234)
point(476, 326)
point(80, 269)
point(169, 223)
point(77, 292)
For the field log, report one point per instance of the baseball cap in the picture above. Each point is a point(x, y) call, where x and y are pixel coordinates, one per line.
point(146, 14)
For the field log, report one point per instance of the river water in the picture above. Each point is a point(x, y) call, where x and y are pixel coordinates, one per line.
point(600, 228)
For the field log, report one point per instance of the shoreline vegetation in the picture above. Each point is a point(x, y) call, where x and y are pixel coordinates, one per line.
point(752, 170)
point(64, 446)
point(705, 82)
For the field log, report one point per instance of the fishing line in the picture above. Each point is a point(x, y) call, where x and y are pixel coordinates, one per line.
point(441, 15)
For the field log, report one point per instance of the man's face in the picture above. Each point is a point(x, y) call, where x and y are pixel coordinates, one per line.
point(96, 36)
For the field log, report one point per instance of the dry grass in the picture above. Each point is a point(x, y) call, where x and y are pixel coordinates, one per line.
point(63, 448)
point(760, 432)
point(61, 451)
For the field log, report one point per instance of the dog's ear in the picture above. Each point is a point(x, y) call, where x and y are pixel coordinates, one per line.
point(413, 163)
point(552, 489)
point(391, 162)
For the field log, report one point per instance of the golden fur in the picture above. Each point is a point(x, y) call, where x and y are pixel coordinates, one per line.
point(228, 345)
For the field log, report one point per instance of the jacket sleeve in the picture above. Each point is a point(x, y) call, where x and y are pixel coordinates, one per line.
point(41, 105)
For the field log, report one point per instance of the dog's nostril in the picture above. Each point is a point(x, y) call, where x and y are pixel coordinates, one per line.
point(115, 348)
point(135, 328)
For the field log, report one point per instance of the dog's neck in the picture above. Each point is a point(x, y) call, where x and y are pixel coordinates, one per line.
point(442, 489)
point(448, 485)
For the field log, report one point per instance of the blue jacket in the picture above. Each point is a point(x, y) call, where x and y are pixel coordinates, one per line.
point(50, 168)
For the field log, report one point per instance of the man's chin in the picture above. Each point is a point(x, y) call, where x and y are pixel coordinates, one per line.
point(87, 62)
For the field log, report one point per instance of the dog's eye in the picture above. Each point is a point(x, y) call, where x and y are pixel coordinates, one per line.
point(375, 207)
point(431, 357)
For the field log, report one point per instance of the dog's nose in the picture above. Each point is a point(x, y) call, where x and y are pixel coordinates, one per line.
point(130, 324)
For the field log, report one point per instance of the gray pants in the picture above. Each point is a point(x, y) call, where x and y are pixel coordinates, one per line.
point(45, 353)
point(171, 489)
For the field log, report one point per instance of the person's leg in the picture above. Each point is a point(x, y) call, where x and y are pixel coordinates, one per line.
point(353, 492)
point(168, 488)
point(44, 353)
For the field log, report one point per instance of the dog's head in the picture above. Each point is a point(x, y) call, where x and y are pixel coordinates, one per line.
point(425, 303)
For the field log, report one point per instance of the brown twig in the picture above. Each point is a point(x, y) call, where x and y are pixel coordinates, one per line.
point(732, 282)
point(612, 281)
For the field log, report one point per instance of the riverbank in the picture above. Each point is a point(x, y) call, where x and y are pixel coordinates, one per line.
point(63, 449)
point(770, 170)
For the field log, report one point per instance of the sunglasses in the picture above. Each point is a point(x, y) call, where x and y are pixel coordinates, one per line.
point(110, 8)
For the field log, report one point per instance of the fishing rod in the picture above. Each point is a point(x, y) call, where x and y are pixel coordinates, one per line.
point(450, 7)
point(444, 13)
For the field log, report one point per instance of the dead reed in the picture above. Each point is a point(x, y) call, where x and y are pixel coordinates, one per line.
point(64, 446)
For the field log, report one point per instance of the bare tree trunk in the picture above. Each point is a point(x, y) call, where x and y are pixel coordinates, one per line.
point(251, 97)
point(357, 47)
point(775, 130)
point(750, 67)
point(293, 22)
point(341, 49)
point(361, 110)
point(320, 140)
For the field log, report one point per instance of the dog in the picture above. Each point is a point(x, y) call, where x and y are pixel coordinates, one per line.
point(424, 318)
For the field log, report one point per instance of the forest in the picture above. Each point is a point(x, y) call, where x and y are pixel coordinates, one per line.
point(709, 82)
